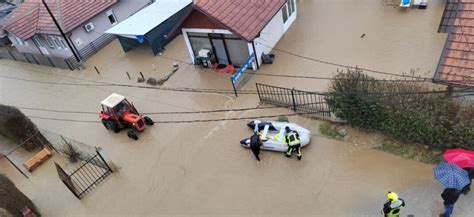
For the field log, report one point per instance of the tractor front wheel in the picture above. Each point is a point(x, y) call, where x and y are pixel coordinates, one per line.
point(132, 135)
point(148, 121)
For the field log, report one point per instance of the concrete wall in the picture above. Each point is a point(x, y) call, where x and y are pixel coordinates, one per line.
point(122, 10)
point(272, 33)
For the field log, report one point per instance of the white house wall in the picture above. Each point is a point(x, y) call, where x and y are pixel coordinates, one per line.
point(271, 34)
point(122, 10)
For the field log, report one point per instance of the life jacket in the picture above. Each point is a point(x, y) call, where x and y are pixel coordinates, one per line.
point(395, 208)
point(293, 138)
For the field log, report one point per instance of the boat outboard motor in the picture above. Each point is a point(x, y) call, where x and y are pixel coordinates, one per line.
point(255, 144)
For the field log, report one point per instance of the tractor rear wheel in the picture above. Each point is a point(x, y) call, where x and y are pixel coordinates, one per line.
point(111, 125)
point(132, 135)
point(104, 122)
point(148, 121)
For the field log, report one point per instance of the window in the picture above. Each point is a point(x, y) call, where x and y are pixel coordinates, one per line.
point(37, 41)
point(112, 17)
point(285, 13)
point(56, 42)
point(50, 42)
point(288, 9)
point(293, 6)
point(197, 34)
point(63, 43)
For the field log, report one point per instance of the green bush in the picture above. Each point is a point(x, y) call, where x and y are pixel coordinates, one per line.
point(20, 129)
point(403, 110)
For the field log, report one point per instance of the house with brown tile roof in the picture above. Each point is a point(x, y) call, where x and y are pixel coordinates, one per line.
point(32, 30)
point(456, 64)
point(232, 31)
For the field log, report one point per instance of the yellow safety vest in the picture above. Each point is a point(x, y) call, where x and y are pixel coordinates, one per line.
point(395, 209)
point(292, 139)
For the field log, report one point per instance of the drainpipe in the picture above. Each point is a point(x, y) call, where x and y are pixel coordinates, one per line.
point(61, 31)
point(255, 54)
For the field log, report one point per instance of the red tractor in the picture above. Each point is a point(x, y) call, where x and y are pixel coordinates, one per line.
point(118, 113)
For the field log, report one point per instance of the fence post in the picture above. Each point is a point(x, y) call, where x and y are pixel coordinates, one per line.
point(33, 56)
point(11, 54)
point(293, 97)
point(258, 92)
point(66, 180)
point(16, 167)
point(97, 70)
point(50, 62)
point(26, 57)
point(103, 160)
point(69, 64)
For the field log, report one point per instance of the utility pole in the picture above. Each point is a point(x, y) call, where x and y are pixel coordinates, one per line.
point(61, 31)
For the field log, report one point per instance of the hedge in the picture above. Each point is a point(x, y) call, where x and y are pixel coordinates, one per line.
point(12, 199)
point(409, 111)
point(19, 128)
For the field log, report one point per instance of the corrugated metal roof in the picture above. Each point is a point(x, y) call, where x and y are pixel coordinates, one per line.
point(149, 18)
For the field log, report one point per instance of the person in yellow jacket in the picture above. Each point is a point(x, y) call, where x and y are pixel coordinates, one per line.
point(294, 143)
point(393, 205)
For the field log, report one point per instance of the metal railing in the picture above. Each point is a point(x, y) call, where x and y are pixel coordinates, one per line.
point(91, 49)
point(39, 59)
point(87, 175)
point(298, 100)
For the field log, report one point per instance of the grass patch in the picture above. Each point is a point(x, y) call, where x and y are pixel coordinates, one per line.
point(418, 152)
point(327, 129)
point(282, 119)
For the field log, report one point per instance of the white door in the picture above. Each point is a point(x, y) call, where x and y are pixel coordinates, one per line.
point(40, 45)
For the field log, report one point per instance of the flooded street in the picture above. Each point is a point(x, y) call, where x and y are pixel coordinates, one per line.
point(200, 169)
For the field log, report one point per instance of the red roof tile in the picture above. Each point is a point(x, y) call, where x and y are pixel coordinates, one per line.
point(456, 65)
point(245, 18)
point(32, 17)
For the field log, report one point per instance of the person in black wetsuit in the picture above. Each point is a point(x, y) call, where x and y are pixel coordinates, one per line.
point(255, 143)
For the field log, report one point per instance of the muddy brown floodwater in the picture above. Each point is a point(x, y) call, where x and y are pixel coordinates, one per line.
point(200, 169)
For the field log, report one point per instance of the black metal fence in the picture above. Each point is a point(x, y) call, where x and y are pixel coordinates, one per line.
point(87, 176)
point(12, 54)
point(298, 100)
point(91, 49)
point(68, 63)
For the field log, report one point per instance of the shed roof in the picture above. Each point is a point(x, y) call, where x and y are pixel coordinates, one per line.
point(149, 18)
point(245, 18)
point(456, 65)
point(32, 18)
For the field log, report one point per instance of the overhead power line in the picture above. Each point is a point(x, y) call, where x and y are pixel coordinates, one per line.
point(226, 118)
point(341, 65)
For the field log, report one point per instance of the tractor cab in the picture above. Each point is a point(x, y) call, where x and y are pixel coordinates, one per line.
point(118, 113)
